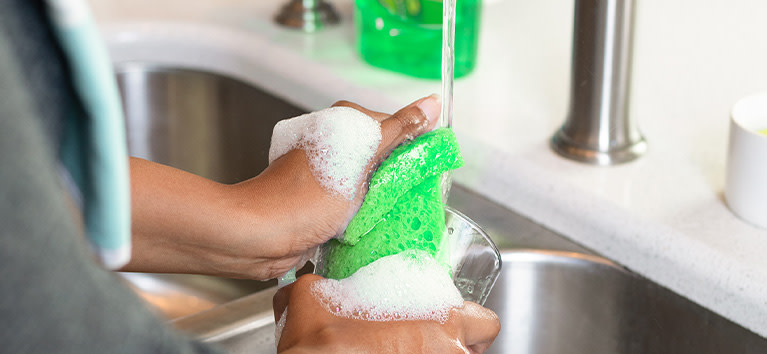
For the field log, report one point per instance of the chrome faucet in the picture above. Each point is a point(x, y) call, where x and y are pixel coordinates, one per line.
point(598, 129)
point(307, 15)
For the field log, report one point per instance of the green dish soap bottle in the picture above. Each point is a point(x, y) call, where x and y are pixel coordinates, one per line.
point(406, 35)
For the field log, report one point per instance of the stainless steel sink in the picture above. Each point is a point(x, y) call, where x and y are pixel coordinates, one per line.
point(553, 296)
point(563, 302)
point(201, 122)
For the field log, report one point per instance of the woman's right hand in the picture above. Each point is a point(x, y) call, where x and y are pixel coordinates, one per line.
point(309, 327)
point(259, 228)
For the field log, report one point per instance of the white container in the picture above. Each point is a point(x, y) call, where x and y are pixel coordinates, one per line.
point(746, 181)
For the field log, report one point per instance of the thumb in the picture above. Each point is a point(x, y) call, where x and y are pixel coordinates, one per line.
point(480, 327)
point(409, 122)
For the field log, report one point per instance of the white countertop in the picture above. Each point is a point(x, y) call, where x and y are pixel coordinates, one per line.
point(662, 216)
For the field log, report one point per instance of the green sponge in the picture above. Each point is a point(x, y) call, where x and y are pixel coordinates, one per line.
point(409, 165)
point(403, 208)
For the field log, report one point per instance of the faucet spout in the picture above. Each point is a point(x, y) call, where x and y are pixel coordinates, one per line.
point(598, 129)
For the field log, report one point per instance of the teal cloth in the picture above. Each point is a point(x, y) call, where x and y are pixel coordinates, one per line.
point(93, 148)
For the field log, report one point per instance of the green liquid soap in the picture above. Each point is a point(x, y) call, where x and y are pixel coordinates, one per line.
point(403, 209)
point(763, 132)
point(406, 35)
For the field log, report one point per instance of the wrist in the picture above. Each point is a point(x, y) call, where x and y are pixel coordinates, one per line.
point(177, 219)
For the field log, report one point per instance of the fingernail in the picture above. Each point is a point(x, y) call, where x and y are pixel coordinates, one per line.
point(431, 106)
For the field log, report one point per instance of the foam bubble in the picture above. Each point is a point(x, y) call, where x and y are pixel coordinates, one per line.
point(410, 285)
point(339, 142)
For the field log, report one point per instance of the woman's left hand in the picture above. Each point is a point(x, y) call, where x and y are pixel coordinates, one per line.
point(310, 327)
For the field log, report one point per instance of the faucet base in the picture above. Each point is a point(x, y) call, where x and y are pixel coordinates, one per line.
point(565, 147)
point(307, 15)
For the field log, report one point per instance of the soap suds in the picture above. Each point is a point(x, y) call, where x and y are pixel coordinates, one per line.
point(407, 286)
point(339, 142)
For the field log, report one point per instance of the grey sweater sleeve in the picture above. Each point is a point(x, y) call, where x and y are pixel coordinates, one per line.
point(53, 297)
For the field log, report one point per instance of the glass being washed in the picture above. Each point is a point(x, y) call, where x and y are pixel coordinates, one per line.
point(472, 258)
point(403, 210)
point(406, 35)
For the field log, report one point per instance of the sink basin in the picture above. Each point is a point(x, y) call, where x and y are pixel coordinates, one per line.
point(207, 124)
point(564, 302)
point(553, 296)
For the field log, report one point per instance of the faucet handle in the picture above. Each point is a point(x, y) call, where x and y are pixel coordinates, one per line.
point(307, 15)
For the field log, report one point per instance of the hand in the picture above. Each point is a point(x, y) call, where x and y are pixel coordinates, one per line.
point(259, 228)
point(309, 327)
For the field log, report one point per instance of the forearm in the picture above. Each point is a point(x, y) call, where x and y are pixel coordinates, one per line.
point(175, 214)
point(184, 223)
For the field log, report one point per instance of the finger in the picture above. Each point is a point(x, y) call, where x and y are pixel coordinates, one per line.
point(480, 326)
point(409, 122)
point(286, 294)
point(379, 116)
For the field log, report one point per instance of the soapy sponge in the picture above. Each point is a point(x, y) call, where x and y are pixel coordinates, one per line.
point(409, 165)
point(403, 209)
